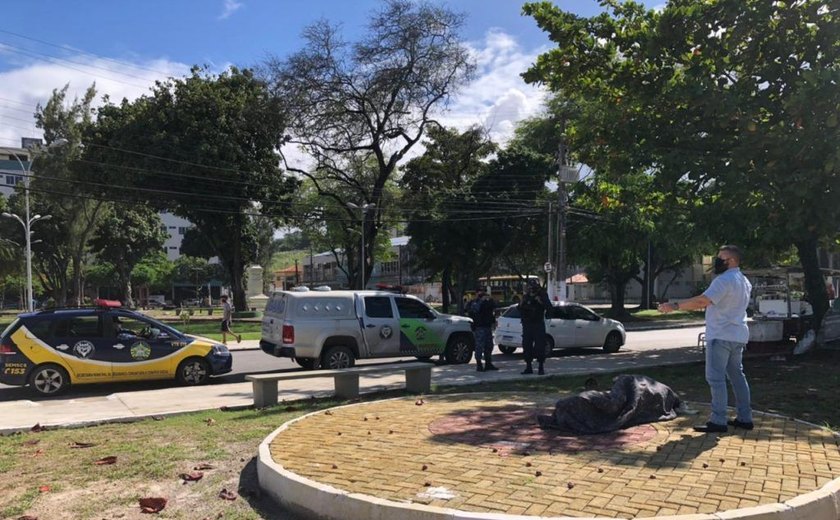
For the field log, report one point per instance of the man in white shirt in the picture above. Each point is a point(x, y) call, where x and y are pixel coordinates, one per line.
point(727, 335)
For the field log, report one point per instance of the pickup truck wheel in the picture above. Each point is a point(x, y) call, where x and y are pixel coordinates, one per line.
point(308, 363)
point(459, 349)
point(613, 342)
point(337, 358)
point(506, 349)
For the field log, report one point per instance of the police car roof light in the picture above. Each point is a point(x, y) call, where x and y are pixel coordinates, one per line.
point(101, 302)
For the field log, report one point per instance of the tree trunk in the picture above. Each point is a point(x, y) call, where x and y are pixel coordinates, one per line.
point(445, 286)
point(77, 297)
point(617, 298)
point(814, 280)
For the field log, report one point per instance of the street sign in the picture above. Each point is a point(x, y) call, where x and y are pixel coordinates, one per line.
point(548, 267)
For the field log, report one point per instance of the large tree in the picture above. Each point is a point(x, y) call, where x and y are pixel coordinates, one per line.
point(738, 97)
point(471, 217)
point(369, 101)
point(436, 186)
point(124, 238)
point(60, 190)
point(204, 147)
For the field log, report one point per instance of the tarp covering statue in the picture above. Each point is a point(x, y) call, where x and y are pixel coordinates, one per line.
point(632, 400)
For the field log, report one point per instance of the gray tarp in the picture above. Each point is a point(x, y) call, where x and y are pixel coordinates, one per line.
point(632, 400)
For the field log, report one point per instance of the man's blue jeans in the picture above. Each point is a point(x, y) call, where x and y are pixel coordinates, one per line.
point(724, 361)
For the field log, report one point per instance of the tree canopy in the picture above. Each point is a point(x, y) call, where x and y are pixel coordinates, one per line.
point(350, 105)
point(739, 98)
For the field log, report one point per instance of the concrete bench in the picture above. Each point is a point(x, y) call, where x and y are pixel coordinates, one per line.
point(418, 379)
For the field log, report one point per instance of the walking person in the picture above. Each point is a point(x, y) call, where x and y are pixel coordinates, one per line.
point(532, 311)
point(227, 315)
point(483, 316)
point(727, 334)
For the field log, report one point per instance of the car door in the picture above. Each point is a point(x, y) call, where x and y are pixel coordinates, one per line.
point(561, 327)
point(81, 340)
point(142, 348)
point(589, 331)
point(380, 326)
point(421, 330)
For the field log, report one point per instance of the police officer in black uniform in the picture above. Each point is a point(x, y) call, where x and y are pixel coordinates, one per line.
point(533, 309)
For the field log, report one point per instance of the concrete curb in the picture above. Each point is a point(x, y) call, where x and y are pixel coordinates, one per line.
point(308, 497)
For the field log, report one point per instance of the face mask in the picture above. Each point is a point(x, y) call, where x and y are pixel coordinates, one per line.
point(720, 266)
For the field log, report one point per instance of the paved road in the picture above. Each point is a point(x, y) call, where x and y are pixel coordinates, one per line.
point(256, 361)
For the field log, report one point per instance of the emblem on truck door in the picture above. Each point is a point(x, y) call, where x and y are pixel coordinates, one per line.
point(385, 332)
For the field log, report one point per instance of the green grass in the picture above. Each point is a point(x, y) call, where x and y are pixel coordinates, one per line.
point(210, 329)
point(151, 453)
point(655, 315)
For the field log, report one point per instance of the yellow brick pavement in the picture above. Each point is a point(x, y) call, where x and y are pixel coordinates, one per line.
point(403, 451)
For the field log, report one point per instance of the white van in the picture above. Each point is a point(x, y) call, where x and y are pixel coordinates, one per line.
point(334, 328)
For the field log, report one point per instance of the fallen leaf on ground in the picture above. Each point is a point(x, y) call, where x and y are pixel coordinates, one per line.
point(192, 476)
point(106, 460)
point(43, 489)
point(203, 466)
point(210, 421)
point(419, 402)
point(27, 517)
point(31, 442)
point(227, 495)
point(152, 504)
point(77, 444)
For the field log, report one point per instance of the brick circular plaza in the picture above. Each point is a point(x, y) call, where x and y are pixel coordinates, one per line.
point(483, 453)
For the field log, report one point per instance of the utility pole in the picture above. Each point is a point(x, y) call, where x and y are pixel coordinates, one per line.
point(566, 174)
point(549, 272)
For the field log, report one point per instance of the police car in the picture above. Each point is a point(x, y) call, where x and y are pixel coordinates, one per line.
point(52, 349)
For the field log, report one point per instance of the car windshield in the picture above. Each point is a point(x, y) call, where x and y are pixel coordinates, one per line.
point(512, 312)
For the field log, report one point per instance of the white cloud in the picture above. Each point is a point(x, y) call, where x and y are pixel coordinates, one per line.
point(27, 86)
point(231, 6)
point(498, 97)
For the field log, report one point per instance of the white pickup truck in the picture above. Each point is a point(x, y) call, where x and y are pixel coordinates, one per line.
point(332, 329)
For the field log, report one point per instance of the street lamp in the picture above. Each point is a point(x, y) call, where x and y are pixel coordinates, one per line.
point(364, 209)
point(27, 222)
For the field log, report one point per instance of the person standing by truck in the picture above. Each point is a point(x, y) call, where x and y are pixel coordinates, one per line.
point(532, 310)
point(482, 313)
point(227, 316)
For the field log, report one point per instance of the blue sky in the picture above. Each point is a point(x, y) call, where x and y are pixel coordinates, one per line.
point(125, 45)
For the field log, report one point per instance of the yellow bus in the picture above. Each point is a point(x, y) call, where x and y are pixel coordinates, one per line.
point(506, 289)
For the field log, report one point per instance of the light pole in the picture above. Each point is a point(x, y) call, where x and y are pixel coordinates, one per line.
point(27, 225)
point(364, 209)
point(27, 222)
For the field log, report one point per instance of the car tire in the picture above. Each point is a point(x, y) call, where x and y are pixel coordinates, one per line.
point(193, 372)
point(49, 380)
point(308, 363)
point(549, 346)
point(504, 349)
point(337, 358)
point(612, 343)
point(459, 349)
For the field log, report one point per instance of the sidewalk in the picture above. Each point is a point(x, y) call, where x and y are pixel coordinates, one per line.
point(23, 414)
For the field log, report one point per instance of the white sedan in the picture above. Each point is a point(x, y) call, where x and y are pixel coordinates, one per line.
point(571, 325)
